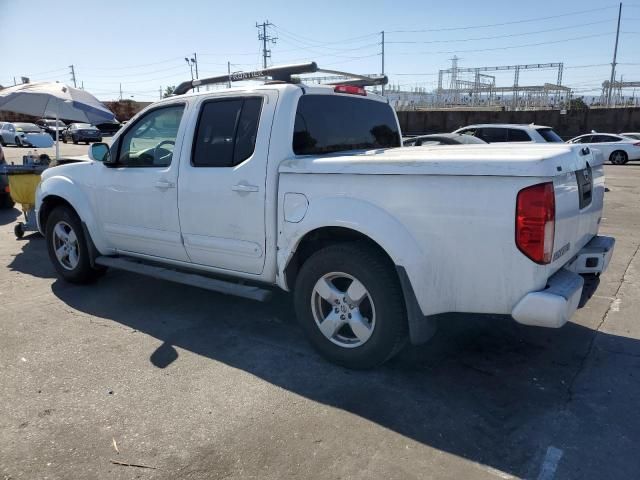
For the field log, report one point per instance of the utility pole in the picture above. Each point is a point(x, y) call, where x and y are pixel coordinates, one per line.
point(264, 37)
point(382, 33)
point(195, 61)
point(615, 54)
point(160, 92)
point(121, 92)
point(229, 73)
point(73, 75)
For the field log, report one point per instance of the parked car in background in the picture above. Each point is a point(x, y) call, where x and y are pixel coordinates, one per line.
point(616, 148)
point(51, 126)
point(442, 139)
point(634, 135)
point(82, 132)
point(24, 135)
point(109, 128)
point(506, 132)
point(5, 197)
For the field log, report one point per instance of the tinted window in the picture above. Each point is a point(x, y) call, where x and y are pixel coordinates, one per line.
point(492, 135)
point(151, 140)
point(605, 138)
point(516, 135)
point(585, 139)
point(227, 130)
point(549, 135)
point(332, 123)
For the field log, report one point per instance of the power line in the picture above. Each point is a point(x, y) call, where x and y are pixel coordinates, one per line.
point(507, 47)
point(501, 36)
point(515, 22)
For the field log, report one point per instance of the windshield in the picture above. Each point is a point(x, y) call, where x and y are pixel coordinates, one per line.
point(549, 135)
point(27, 127)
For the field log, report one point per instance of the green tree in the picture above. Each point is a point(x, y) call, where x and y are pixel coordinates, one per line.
point(168, 91)
point(578, 104)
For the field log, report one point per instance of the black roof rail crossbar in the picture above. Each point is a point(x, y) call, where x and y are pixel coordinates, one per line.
point(356, 80)
point(282, 73)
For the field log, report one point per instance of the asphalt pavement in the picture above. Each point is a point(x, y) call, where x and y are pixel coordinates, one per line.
point(189, 384)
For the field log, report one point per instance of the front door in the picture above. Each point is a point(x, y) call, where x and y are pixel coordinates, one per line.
point(222, 189)
point(138, 195)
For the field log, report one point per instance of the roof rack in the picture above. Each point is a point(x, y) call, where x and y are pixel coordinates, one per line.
point(284, 74)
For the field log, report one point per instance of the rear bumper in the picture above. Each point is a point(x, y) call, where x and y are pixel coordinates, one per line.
point(554, 306)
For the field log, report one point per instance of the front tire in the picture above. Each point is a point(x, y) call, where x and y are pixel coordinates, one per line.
point(619, 157)
point(67, 246)
point(349, 302)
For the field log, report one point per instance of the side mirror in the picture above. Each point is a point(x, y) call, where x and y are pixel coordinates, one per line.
point(99, 152)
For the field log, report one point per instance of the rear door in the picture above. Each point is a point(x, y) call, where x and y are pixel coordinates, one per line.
point(221, 194)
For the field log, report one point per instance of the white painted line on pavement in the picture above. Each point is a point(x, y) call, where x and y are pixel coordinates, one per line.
point(550, 463)
point(615, 305)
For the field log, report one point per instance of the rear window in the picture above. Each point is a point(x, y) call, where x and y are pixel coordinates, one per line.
point(549, 135)
point(335, 123)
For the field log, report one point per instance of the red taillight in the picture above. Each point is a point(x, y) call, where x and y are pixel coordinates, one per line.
point(352, 89)
point(536, 222)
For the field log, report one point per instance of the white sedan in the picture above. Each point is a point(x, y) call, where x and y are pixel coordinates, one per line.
point(618, 149)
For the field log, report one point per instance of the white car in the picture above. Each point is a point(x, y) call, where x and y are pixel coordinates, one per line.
point(634, 135)
point(511, 133)
point(24, 135)
point(308, 189)
point(615, 148)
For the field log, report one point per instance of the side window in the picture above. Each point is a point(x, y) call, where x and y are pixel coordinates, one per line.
point(226, 132)
point(151, 140)
point(468, 131)
point(608, 138)
point(492, 135)
point(517, 135)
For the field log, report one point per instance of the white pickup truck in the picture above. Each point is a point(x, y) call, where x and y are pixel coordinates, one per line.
point(307, 188)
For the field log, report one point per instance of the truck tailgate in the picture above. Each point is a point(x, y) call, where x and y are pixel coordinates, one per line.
point(579, 193)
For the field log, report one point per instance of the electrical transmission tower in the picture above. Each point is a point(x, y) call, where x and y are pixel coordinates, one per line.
point(73, 75)
point(264, 37)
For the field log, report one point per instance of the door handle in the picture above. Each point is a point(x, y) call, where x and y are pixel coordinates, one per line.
point(243, 187)
point(164, 184)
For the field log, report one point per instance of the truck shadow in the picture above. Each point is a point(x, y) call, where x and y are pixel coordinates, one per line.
point(485, 388)
point(9, 215)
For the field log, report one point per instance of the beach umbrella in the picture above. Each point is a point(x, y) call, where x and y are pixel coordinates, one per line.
point(57, 100)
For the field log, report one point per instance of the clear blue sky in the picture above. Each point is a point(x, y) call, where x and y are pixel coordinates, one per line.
point(142, 43)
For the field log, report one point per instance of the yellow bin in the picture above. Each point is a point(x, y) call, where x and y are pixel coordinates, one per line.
point(22, 188)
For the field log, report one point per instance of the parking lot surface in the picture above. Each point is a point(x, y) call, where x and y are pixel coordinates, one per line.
point(198, 385)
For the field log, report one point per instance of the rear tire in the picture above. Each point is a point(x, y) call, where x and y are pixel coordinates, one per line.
point(67, 247)
point(378, 315)
point(619, 157)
